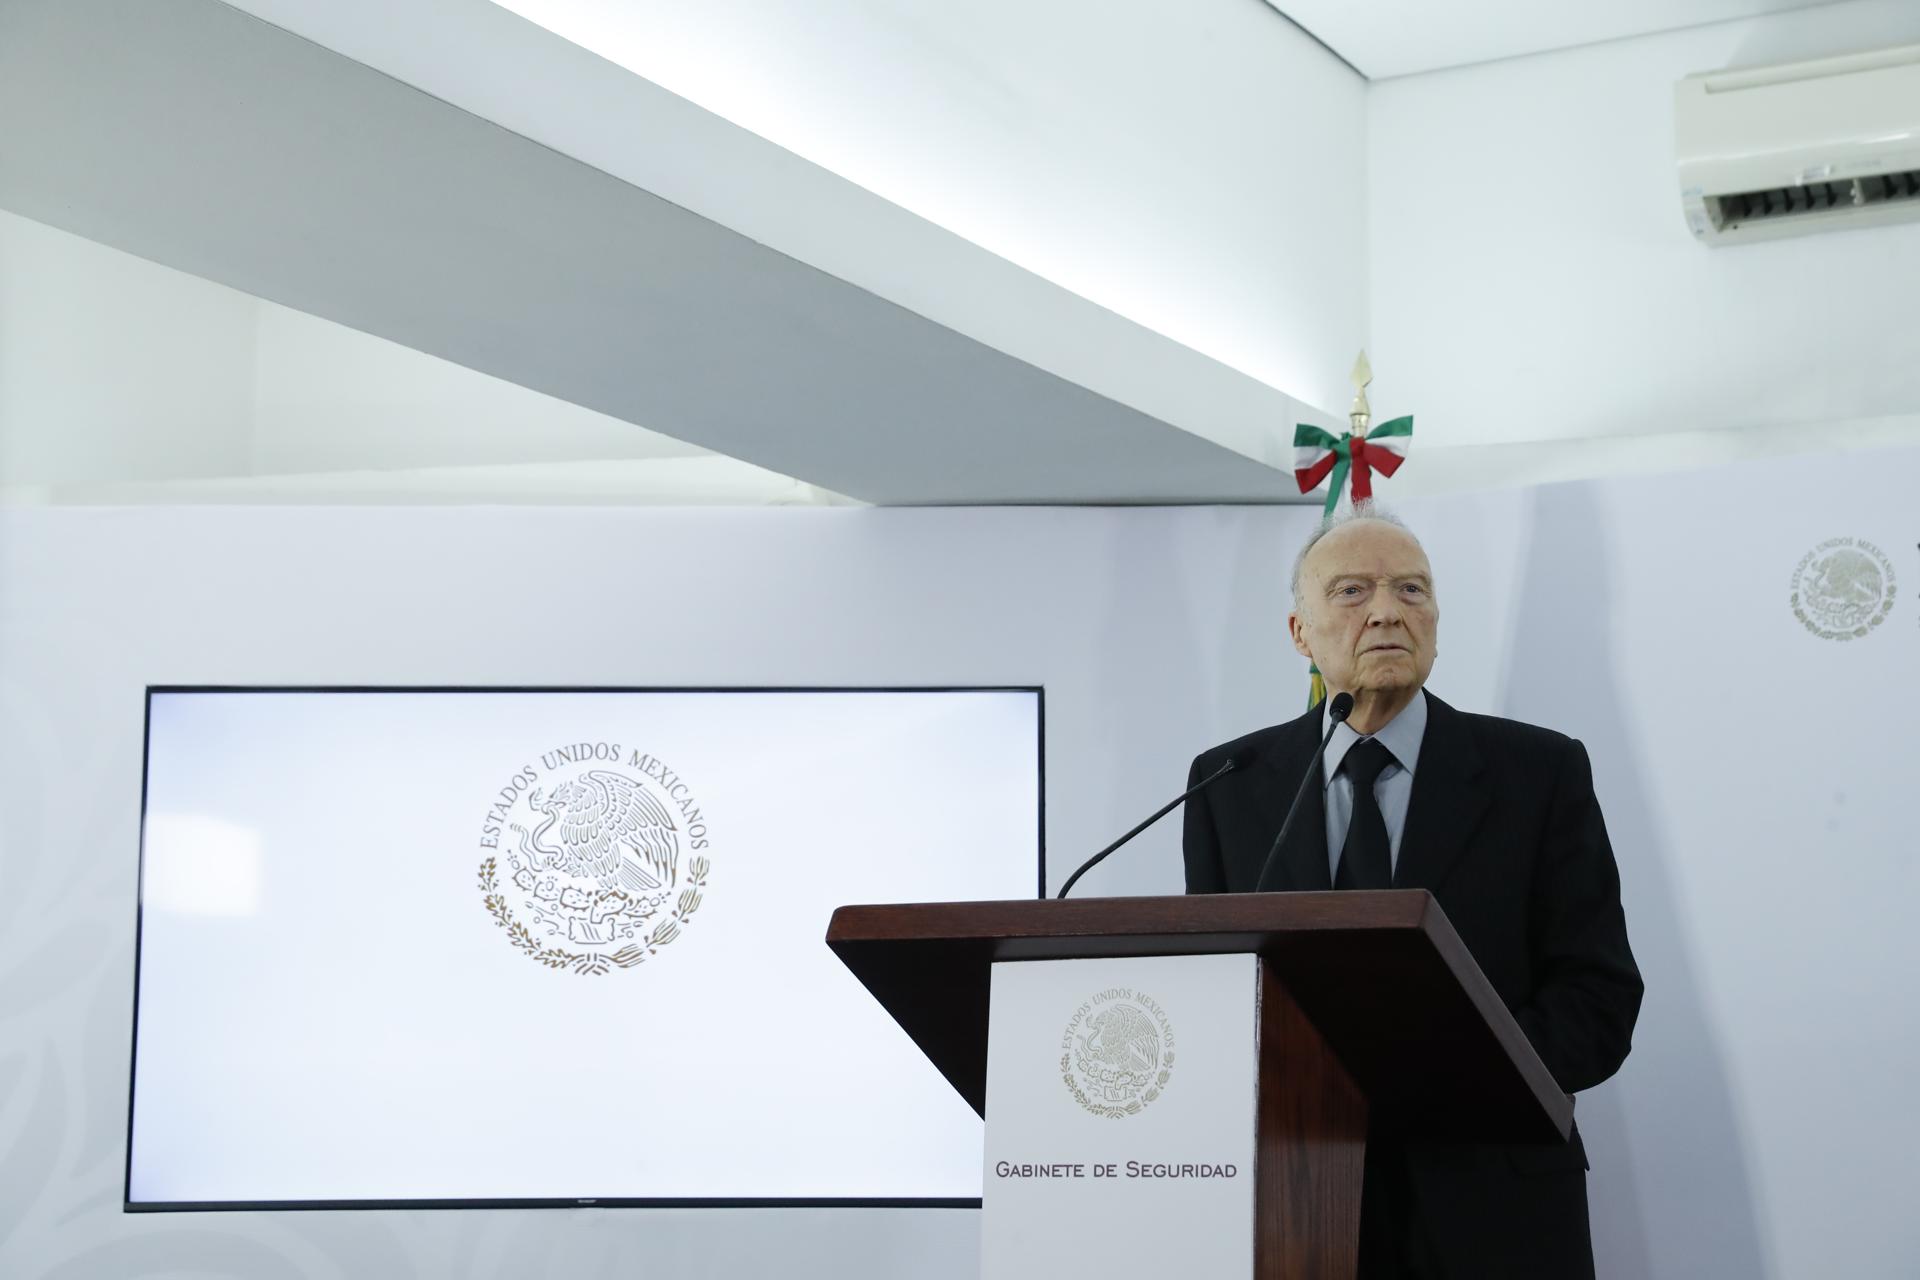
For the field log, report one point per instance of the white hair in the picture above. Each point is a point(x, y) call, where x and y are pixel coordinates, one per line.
point(1366, 509)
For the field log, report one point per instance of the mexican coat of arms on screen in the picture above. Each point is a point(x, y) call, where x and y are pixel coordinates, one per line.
point(595, 859)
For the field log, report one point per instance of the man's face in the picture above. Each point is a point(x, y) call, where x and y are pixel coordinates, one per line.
point(1367, 615)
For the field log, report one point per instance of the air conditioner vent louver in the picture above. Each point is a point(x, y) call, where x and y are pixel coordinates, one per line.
point(1802, 148)
point(1814, 197)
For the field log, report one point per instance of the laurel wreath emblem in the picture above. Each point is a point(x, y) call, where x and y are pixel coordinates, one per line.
point(1815, 612)
point(1117, 1053)
point(592, 964)
point(1133, 1107)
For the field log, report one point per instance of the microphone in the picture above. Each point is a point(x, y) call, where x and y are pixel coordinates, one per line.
point(1338, 710)
point(1231, 763)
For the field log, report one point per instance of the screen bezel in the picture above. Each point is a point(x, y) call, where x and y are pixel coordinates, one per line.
point(129, 1205)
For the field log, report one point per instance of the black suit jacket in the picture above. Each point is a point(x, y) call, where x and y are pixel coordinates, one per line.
point(1504, 830)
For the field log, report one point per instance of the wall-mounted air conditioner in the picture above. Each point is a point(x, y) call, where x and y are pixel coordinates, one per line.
point(1809, 146)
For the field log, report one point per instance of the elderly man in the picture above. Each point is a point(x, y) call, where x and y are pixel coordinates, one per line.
point(1498, 820)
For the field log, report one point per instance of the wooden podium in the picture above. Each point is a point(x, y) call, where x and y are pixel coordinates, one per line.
point(1366, 1009)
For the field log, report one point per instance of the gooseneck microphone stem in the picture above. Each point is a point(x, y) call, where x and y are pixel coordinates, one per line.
point(1158, 814)
point(1337, 711)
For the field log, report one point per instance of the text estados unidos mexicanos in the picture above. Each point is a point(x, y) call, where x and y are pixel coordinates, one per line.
point(678, 796)
point(1130, 1169)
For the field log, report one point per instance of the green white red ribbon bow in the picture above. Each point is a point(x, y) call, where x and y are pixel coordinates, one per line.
point(1317, 453)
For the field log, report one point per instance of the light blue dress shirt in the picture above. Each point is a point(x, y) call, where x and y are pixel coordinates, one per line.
point(1391, 790)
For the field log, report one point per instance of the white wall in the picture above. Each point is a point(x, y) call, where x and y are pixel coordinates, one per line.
point(115, 369)
point(1532, 277)
point(1754, 778)
point(122, 378)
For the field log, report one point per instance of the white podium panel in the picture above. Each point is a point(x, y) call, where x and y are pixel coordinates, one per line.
point(1120, 1118)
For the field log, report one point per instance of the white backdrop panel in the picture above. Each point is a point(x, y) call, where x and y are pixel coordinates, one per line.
point(1754, 777)
point(1119, 614)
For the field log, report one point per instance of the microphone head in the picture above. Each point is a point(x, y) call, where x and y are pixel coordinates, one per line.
point(1341, 707)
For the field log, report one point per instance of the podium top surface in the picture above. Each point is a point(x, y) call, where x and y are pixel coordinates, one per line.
point(1382, 974)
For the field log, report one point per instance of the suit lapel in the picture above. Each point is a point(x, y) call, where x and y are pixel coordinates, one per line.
point(1302, 861)
point(1448, 800)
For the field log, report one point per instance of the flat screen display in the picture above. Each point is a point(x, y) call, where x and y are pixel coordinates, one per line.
point(465, 946)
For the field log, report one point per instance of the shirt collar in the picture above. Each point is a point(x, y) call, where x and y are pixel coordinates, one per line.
point(1400, 735)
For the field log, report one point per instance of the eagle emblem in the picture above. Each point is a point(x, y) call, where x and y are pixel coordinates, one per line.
point(1118, 1053)
point(1122, 1041)
point(1843, 588)
point(593, 879)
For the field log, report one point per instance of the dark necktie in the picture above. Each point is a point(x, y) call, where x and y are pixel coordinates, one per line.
point(1365, 859)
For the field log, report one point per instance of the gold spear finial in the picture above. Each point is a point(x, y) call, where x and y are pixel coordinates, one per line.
point(1361, 413)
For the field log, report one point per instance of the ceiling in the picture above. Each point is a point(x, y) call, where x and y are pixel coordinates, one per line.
point(616, 295)
point(285, 170)
point(1382, 38)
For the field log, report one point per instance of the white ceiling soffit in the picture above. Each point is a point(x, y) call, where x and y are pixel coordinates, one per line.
point(1382, 38)
point(199, 136)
